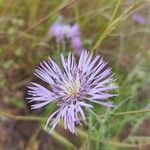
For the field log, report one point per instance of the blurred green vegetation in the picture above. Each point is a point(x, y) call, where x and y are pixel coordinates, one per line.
point(106, 28)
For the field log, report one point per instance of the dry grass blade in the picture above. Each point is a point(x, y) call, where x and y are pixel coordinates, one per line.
point(63, 5)
point(113, 23)
point(61, 139)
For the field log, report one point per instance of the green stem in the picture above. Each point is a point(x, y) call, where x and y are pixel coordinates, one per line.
point(105, 33)
point(27, 118)
point(109, 142)
point(79, 131)
point(132, 112)
point(61, 139)
point(114, 22)
point(35, 118)
point(115, 11)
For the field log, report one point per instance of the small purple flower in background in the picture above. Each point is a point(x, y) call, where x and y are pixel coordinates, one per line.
point(76, 42)
point(138, 18)
point(72, 87)
point(61, 31)
point(55, 31)
point(75, 31)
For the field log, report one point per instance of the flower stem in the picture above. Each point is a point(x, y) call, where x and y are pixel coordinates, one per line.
point(35, 118)
point(131, 112)
point(106, 32)
point(27, 118)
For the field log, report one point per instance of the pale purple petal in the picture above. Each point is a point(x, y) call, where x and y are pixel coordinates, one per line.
point(40, 95)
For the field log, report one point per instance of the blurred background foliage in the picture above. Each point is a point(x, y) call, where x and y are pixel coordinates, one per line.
point(107, 27)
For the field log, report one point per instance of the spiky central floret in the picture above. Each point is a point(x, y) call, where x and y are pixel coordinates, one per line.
point(72, 89)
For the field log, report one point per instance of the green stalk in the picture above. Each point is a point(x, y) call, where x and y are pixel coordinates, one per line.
point(35, 118)
point(61, 139)
point(21, 118)
point(106, 30)
point(114, 22)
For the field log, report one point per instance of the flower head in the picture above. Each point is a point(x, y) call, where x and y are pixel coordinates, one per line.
point(73, 87)
point(76, 44)
point(75, 31)
point(60, 31)
point(138, 18)
point(75, 37)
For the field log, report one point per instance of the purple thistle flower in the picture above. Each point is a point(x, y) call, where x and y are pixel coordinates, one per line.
point(72, 87)
point(75, 31)
point(138, 18)
point(59, 31)
point(77, 44)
